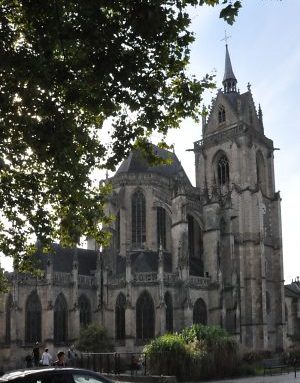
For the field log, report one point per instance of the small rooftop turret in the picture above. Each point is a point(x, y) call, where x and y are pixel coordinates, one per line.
point(229, 80)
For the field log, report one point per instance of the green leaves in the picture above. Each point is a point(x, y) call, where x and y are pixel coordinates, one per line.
point(67, 69)
point(93, 338)
point(208, 351)
point(230, 12)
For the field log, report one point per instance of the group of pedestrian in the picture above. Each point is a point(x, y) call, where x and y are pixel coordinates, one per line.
point(34, 360)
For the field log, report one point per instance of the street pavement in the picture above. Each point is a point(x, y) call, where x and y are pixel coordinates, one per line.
point(278, 378)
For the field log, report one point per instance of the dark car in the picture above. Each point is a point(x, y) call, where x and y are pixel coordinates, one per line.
point(54, 375)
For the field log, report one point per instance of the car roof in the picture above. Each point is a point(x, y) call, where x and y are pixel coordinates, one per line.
point(22, 373)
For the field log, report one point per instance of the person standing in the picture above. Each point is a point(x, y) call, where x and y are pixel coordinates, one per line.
point(60, 361)
point(46, 358)
point(36, 354)
point(28, 360)
point(72, 356)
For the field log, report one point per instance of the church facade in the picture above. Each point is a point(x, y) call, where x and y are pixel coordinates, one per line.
point(180, 254)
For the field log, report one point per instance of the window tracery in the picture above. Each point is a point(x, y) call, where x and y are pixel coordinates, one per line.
point(138, 220)
point(118, 232)
point(223, 171)
point(145, 322)
point(161, 227)
point(60, 320)
point(260, 171)
point(221, 114)
point(268, 302)
point(120, 317)
point(8, 308)
point(84, 311)
point(169, 312)
point(33, 318)
point(200, 312)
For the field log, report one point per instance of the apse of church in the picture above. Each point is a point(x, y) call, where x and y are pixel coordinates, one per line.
point(179, 254)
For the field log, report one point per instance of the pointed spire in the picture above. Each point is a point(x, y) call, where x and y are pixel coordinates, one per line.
point(259, 113)
point(204, 116)
point(260, 117)
point(229, 80)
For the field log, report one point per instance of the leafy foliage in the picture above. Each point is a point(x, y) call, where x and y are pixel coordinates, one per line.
point(197, 352)
point(219, 349)
point(210, 334)
point(81, 82)
point(167, 355)
point(93, 338)
point(166, 343)
point(3, 281)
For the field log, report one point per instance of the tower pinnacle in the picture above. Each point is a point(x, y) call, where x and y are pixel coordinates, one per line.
point(229, 80)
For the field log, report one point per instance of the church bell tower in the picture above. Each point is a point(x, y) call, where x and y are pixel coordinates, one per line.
point(242, 236)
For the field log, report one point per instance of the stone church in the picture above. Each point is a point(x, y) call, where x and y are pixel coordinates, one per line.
point(180, 254)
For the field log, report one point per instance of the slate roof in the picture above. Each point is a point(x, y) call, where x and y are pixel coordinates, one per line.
point(63, 259)
point(136, 163)
point(144, 261)
point(244, 98)
point(147, 261)
point(292, 290)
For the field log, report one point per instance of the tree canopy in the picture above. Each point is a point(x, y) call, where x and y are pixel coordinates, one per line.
point(81, 82)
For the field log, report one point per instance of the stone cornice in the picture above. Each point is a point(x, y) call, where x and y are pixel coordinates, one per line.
point(132, 179)
point(230, 133)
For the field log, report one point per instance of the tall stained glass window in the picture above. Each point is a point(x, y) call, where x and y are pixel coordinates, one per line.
point(138, 220)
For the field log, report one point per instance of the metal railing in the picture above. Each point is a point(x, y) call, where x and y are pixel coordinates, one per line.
point(113, 362)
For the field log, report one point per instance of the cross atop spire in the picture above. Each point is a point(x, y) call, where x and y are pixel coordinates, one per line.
point(227, 37)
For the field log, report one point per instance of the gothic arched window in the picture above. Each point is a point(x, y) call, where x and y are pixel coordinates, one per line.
point(200, 312)
point(195, 246)
point(118, 232)
point(268, 302)
point(8, 308)
point(250, 114)
point(145, 324)
point(223, 171)
point(260, 171)
point(60, 320)
point(221, 114)
point(85, 312)
point(169, 312)
point(161, 227)
point(138, 220)
point(33, 319)
point(120, 317)
point(191, 235)
point(222, 226)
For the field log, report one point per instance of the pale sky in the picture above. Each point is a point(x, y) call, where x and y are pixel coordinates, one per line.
point(265, 51)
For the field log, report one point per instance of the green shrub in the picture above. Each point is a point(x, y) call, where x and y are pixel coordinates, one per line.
point(93, 338)
point(166, 355)
point(218, 350)
point(210, 334)
point(198, 352)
